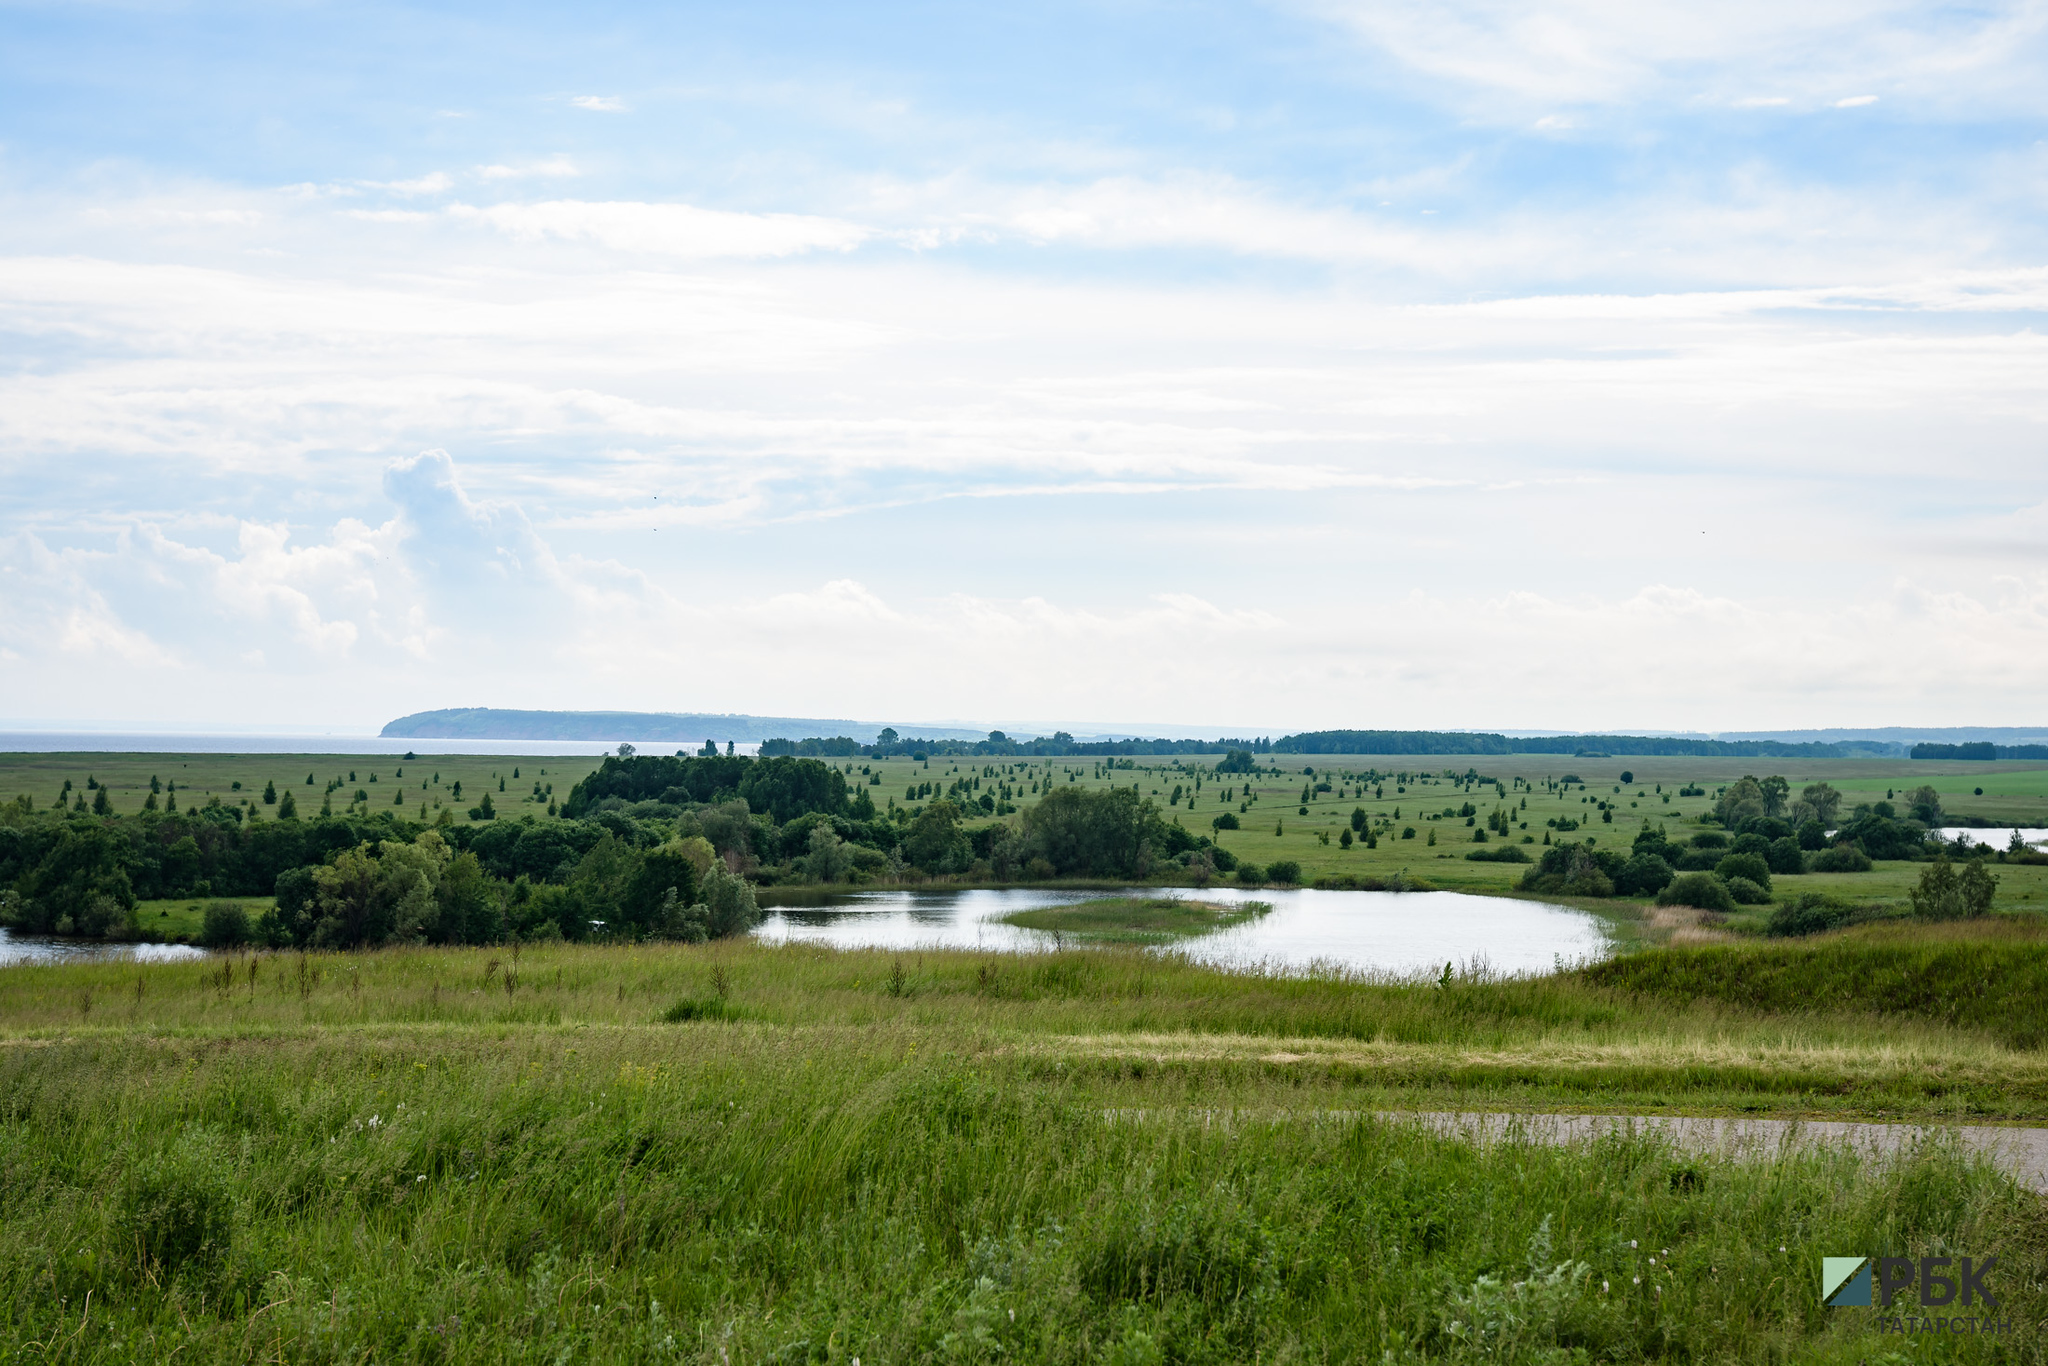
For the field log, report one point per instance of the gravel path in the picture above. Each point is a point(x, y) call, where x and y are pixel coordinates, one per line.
point(2022, 1152)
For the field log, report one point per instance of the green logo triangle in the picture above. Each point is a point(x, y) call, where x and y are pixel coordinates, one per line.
point(1836, 1272)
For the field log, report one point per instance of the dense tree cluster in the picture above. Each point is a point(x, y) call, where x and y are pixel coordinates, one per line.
point(652, 847)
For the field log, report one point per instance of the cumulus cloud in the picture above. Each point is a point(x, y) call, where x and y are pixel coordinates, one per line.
point(465, 594)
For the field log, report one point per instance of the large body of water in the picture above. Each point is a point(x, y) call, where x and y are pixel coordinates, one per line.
point(1391, 932)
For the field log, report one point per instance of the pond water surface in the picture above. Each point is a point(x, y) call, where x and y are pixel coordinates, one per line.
point(35, 948)
point(1378, 932)
point(1998, 837)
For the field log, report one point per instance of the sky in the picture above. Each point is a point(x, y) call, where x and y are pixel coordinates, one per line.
point(1581, 365)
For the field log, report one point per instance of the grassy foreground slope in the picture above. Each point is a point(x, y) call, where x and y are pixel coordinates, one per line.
point(459, 1155)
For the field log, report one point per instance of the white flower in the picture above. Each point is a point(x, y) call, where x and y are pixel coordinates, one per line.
point(1603, 1287)
point(1639, 1280)
point(417, 1179)
point(1631, 1242)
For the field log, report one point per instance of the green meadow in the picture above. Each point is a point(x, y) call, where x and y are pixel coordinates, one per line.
point(736, 1152)
point(455, 1155)
point(1137, 920)
point(1406, 793)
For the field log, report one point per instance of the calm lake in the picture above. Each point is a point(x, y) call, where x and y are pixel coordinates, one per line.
point(1402, 933)
point(1392, 932)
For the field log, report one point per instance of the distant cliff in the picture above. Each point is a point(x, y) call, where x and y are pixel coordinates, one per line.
point(496, 723)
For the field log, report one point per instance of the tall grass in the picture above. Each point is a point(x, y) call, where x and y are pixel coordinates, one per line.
point(1989, 975)
point(1572, 1040)
point(713, 1192)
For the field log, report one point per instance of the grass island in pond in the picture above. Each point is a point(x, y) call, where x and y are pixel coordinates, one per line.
point(1137, 919)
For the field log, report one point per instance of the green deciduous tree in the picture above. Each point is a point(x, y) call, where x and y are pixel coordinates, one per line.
point(935, 843)
point(1947, 894)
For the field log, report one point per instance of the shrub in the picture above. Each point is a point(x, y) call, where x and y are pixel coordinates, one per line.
point(1285, 871)
point(1785, 856)
point(1810, 913)
point(1574, 870)
point(1843, 858)
point(1751, 866)
point(1226, 821)
point(1709, 839)
point(1507, 853)
point(691, 1008)
point(1746, 893)
point(1250, 874)
point(1703, 891)
point(1945, 894)
point(1645, 874)
point(1750, 842)
point(226, 925)
point(178, 1211)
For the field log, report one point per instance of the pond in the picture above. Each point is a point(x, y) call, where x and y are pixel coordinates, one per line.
point(1382, 932)
point(1998, 837)
point(35, 948)
point(1378, 932)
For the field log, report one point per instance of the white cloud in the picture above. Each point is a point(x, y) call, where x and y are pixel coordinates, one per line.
point(1620, 51)
point(552, 166)
point(669, 229)
point(1855, 101)
point(434, 182)
point(602, 104)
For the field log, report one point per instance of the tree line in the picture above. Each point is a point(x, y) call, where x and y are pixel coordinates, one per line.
point(651, 847)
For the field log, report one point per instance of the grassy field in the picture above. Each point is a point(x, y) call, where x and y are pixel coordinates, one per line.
point(1265, 802)
point(239, 778)
point(446, 1155)
point(740, 1153)
point(1137, 920)
point(1269, 805)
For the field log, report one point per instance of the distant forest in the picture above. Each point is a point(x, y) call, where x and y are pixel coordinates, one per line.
point(1387, 742)
point(853, 739)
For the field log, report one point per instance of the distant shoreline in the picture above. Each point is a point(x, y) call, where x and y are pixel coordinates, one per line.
point(99, 742)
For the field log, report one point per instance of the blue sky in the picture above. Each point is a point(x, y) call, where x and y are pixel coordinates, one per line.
point(1586, 365)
